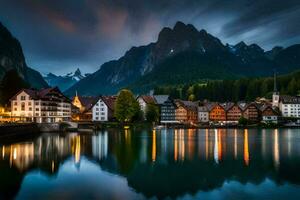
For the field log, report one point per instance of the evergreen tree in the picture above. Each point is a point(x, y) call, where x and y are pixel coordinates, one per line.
point(152, 113)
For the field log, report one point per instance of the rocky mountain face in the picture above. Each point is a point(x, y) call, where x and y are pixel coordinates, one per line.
point(182, 55)
point(66, 81)
point(12, 58)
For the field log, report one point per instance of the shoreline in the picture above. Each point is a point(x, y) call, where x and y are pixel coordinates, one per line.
point(18, 129)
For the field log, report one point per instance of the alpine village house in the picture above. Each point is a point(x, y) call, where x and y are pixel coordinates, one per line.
point(41, 106)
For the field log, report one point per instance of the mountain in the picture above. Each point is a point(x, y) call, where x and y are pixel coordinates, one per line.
point(64, 82)
point(182, 55)
point(12, 58)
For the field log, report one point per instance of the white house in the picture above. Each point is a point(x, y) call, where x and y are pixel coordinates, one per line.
point(289, 106)
point(103, 110)
point(144, 100)
point(46, 105)
point(203, 114)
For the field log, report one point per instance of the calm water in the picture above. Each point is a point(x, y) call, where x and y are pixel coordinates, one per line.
point(183, 164)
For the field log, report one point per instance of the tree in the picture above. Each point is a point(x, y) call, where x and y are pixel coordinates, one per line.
point(243, 121)
point(152, 113)
point(10, 85)
point(126, 107)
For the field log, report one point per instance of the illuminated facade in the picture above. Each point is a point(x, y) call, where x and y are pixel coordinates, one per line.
point(41, 106)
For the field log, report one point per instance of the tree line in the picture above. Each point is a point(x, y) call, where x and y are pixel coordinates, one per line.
point(245, 89)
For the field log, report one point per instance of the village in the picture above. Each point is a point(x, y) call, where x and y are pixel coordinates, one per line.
point(52, 106)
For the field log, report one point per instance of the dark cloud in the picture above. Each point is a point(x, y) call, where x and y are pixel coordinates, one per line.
point(59, 36)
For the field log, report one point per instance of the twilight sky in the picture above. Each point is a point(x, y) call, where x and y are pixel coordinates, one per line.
point(60, 35)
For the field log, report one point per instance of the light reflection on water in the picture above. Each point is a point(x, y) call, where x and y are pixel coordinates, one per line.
point(153, 163)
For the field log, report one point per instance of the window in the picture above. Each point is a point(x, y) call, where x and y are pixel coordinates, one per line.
point(97, 109)
point(15, 109)
point(15, 103)
point(102, 118)
point(29, 103)
point(30, 108)
point(37, 103)
point(102, 109)
point(23, 98)
point(37, 109)
point(23, 106)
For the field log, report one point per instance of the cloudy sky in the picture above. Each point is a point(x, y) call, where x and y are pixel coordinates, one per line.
point(60, 35)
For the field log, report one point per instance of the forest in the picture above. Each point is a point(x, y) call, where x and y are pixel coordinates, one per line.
point(244, 89)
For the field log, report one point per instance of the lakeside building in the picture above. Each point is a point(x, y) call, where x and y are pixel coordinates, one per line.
point(233, 112)
point(203, 114)
point(217, 113)
point(250, 111)
point(103, 109)
point(289, 106)
point(41, 106)
point(186, 111)
point(84, 104)
point(167, 111)
point(145, 100)
point(268, 114)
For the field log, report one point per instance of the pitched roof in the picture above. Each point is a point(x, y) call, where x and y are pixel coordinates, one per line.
point(187, 104)
point(109, 101)
point(148, 99)
point(290, 99)
point(40, 94)
point(88, 101)
point(160, 99)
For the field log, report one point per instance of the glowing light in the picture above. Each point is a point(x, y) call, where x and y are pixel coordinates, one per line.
point(216, 150)
point(15, 153)
point(276, 150)
point(52, 166)
point(153, 146)
point(206, 144)
point(246, 147)
point(235, 144)
point(176, 145)
point(219, 146)
point(77, 149)
point(181, 144)
point(3, 152)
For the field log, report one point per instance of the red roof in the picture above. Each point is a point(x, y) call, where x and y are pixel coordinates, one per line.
point(40, 94)
point(148, 99)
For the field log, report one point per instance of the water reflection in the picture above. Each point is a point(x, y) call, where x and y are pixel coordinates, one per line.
point(159, 163)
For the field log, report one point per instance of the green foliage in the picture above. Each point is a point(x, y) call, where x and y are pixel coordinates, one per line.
point(246, 89)
point(152, 113)
point(127, 108)
point(243, 121)
point(10, 85)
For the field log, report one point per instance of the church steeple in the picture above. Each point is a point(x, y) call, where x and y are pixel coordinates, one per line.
point(275, 83)
point(275, 96)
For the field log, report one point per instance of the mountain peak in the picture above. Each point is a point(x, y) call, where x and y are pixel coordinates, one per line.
point(241, 44)
point(77, 72)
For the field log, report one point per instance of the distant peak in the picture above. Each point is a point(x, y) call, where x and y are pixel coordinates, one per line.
point(240, 45)
point(179, 25)
point(77, 72)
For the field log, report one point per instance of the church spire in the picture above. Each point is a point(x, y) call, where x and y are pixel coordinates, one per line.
point(275, 84)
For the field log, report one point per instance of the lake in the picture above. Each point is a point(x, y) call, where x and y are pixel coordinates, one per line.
point(161, 164)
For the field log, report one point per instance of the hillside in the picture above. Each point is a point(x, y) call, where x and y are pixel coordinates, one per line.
point(244, 89)
point(184, 54)
point(12, 58)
